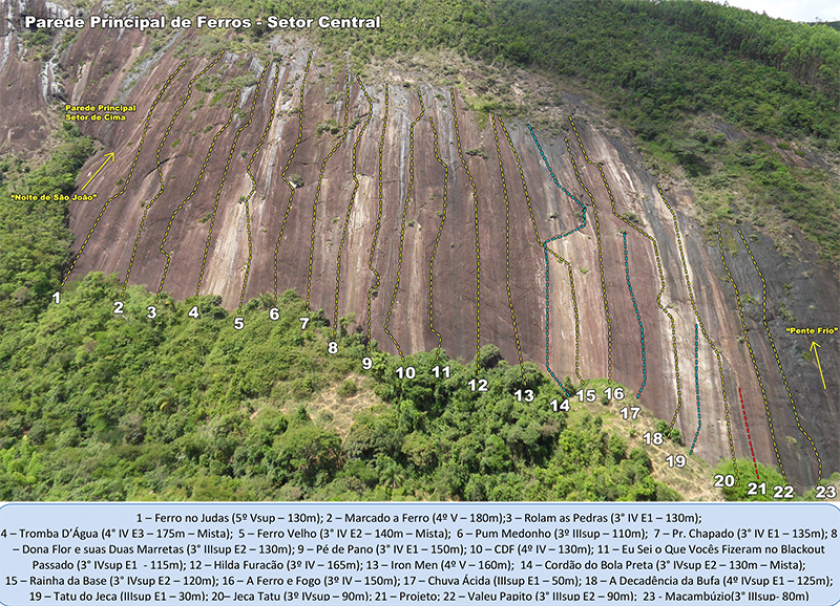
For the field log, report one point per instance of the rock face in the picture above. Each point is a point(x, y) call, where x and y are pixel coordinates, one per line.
point(489, 264)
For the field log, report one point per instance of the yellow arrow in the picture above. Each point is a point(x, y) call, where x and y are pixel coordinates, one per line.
point(814, 347)
point(109, 156)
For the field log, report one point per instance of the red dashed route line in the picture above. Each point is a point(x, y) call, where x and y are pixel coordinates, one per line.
point(747, 425)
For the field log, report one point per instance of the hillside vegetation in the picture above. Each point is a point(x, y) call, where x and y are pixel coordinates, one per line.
point(100, 406)
point(654, 61)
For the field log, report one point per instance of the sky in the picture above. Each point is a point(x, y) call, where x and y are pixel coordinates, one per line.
point(792, 10)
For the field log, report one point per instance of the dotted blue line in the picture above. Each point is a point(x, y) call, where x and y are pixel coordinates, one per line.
point(545, 250)
point(638, 317)
point(697, 390)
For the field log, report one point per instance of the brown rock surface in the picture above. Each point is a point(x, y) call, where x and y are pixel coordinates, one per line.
point(102, 68)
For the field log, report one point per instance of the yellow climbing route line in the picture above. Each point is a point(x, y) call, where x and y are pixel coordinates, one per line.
point(643, 233)
point(224, 174)
point(128, 177)
point(601, 262)
point(350, 204)
point(320, 180)
point(254, 185)
point(658, 266)
point(507, 250)
point(540, 243)
point(752, 355)
point(148, 206)
point(378, 219)
point(402, 222)
point(705, 334)
point(776, 354)
point(477, 248)
point(437, 240)
point(187, 199)
point(286, 168)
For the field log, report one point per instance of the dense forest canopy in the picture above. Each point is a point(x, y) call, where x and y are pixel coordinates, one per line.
point(99, 406)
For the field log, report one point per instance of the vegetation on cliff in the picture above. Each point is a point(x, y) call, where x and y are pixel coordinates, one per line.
point(100, 406)
point(34, 238)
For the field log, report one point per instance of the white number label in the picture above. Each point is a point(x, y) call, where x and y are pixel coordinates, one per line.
point(57, 297)
point(783, 492)
point(438, 371)
point(406, 373)
point(560, 406)
point(367, 363)
point(118, 307)
point(332, 347)
point(152, 312)
point(653, 438)
point(617, 393)
point(303, 323)
point(480, 385)
point(526, 395)
point(753, 489)
point(630, 413)
point(826, 492)
point(274, 314)
point(676, 461)
point(238, 323)
point(589, 395)
point(193, 313)
point(724, 481)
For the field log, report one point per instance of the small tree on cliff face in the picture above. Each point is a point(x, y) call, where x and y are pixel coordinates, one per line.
point(488, 356)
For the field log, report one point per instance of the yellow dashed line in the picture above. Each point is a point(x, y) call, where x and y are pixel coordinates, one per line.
point(705, 334)
point(254, 184)
point(402, 223)
point(128, 178)
point(437, 240)
point(320, 180)
point(600, 261)
point(658, 267)
point(776, 354)
point(540, 241)
point(286, 168)
point(507, 250)
point(378, 218)
point(224, 174)
point(752, 355)
point(350, 204)
point(159, 169)
point(475, 206)
point(187, 199)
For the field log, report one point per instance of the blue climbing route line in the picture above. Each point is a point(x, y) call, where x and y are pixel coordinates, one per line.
point(638, 317)
point(545, 250)
point(697, 391)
